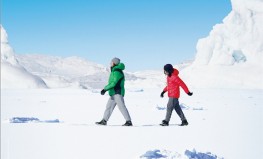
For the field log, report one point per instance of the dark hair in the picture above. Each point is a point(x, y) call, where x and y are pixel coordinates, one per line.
point(168, 68)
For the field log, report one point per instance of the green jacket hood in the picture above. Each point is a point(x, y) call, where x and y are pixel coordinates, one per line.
point(120, 66)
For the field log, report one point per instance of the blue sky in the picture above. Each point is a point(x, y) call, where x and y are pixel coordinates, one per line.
point(144, 34)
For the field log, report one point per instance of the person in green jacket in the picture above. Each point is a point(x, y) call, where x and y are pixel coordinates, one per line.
point(116, 90)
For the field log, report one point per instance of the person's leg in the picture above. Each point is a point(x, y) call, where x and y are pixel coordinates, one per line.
point(121, 105)
point(169, 110)
point(109, 108)
point(178, 110)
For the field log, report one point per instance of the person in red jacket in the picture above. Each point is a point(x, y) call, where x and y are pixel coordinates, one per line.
point(174, 83)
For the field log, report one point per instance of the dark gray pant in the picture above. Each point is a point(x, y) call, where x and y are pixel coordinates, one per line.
point(173, 103)
point(114, 100)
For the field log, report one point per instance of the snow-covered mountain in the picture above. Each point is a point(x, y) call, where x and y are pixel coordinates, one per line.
point(13, 75)
point(76, 72)
point(60, 72)
point(232, 55)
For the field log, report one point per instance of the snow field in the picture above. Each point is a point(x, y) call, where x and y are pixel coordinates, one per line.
point(229, 125)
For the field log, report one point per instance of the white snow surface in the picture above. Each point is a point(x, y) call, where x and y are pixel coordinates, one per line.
point(229, 125)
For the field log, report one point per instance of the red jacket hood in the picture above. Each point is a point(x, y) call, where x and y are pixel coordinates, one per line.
point(176, 72)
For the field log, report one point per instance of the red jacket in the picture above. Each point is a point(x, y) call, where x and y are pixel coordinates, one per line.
point(173, 84)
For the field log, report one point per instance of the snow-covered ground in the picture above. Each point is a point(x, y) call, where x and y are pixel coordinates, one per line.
point(228, 123)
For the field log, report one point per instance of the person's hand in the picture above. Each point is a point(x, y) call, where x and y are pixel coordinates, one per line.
point(190, 93)
point(162, 94)
point(103, 92)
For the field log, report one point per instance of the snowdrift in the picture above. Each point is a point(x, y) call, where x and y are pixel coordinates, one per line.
point(13, 75)
point(155, 154)
point(17, 77)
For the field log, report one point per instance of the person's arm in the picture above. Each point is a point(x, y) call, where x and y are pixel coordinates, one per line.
point(183, 85)
point(164, 90)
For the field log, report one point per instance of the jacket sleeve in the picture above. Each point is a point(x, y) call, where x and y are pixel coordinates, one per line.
point(183, 85)
point(112, 83)
point(165, 89)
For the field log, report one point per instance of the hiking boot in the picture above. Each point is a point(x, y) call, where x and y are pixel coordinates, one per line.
point(184, 123)
point(102, 122)
point(128, 123)
point(164, 123)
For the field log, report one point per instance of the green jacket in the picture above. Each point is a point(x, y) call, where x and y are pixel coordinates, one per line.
point(116, 80)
